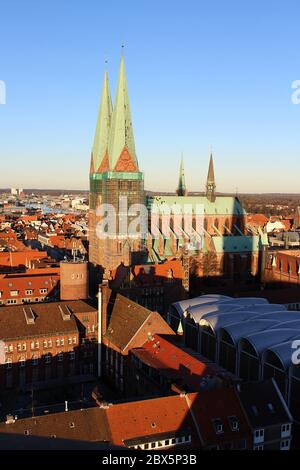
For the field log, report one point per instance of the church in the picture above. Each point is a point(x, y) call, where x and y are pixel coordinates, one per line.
point(219, 247)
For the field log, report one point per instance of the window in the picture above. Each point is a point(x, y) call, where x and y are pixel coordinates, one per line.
point(70, 341)
point(28, 291)
point(258, 448)
point(74, 340)
point(50, 343)
point(37, 344)
point(11, 348)
point(22, 362)
point(62, 342)
point(72, 355)
point(8, 363)
point(32, 345)
point(24, 346)
point(218, 425)
point(5, 348)
point(259, 436)
point(14, 293)
point(285, 445)
point(57, 342)
point(234, 424)
point(45, 344)
point(286, 430)
point(11, 301)
point(47, 359)
point(60, 357)
point(19, 347)
point(35, 361)
point(43, 291)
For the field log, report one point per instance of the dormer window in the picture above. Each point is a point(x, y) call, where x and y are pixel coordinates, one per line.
point(218, 426)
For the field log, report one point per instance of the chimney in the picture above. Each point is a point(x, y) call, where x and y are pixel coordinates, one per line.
point(104, 297)
point(103, 300)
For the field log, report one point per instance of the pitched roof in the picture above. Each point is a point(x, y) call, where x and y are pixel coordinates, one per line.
point(264, 404)
point(128, 318)
point(218, 405)
point(85, 425)
point(174, 363)
point(149, 418)
point(48, 319)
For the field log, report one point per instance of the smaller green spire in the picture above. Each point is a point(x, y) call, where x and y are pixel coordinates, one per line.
point(181, 190)
point(210, 182)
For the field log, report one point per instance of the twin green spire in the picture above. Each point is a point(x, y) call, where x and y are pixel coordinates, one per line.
point(102, 133)
point(114, 131)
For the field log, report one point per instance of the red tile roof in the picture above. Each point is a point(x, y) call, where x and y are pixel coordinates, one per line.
point(218, 405)
point(20, 258)
point(149, 418)
point(173, 362)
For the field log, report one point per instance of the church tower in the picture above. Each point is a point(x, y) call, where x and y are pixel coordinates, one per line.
point(210, 182)
point(115, 182)
point(181, 190)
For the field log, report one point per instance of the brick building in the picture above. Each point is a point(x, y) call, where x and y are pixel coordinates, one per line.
point(154, 286)
point(179, 422)
point(32, 286)
point(125, 325)
point(47, 344)
point(114, 173)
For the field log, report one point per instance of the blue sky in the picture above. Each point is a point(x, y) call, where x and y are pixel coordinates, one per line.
point(200, 74)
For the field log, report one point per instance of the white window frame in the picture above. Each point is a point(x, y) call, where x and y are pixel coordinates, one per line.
point(259, 436)
point(286, 430)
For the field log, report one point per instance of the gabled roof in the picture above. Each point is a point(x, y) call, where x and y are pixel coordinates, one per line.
point(174, 363)
point(48, 319)
point(128, 319)
point(146, 418)
point(218, 405)
point(84, 425)
point(256, 398)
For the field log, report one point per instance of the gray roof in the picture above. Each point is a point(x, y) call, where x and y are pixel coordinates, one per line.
point(283, 351)
point(183, 305)
point(237, 330)
point(264, 339)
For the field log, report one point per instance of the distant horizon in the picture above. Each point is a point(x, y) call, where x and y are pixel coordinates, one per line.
point(218, 193)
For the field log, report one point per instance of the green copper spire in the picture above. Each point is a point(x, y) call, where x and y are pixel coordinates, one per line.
point(101, 139)
point(181, 190)
point(210, 182)
point(121, 136)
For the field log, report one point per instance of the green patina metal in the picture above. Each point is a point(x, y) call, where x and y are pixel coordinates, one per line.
point(118, 175)
point(103, 125)
point(238, 244)
point(223, 205)
point(121, 134)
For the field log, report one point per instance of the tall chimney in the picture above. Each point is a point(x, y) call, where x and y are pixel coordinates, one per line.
point(103, 300)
